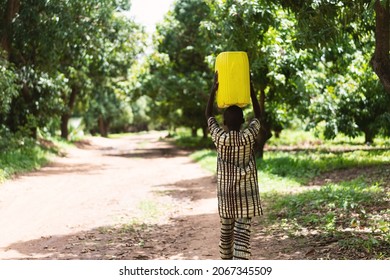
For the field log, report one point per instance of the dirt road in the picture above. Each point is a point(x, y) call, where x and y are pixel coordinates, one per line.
point(134, 197)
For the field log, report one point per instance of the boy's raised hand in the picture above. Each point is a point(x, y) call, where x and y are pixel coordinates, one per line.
point(255, 102)
point(210, 103)
point(215, 83)
point(252, 90)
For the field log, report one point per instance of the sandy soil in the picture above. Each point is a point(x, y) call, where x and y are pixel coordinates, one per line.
point(135, 198)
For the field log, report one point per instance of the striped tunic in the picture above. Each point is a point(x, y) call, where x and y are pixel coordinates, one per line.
point(237, 183)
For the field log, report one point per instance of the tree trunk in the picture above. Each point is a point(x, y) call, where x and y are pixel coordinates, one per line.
point(103, 126)
point(264, 135)
point(277, 132)
point(381, 58)
point(66, 116)
point(205, 131)
point(194, 132)
point(12, 8)
point(64, 126)
point(369, 136)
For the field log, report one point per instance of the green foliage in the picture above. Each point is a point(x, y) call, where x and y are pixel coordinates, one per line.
point(326, 23)
point(178, 75)
point(206, 158)
point(346, 95)
point(20, 154)
point(61, 54)
point(343, 89)
point(40, 101)
point(183, 138)
point(8, 87)
point(309, 60)
point(110, 102)
point(141, 110)
point(304, 165)
point(281, 169)
point(115, 43)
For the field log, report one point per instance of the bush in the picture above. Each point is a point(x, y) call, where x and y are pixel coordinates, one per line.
point(21, 154)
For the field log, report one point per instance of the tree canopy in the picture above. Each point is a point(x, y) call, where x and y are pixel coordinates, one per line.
point(60, 53)
point(322, 63)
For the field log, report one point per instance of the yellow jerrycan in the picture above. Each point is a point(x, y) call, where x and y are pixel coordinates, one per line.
point(233, 78)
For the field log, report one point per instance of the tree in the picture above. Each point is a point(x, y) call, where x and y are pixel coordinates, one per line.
point(263, 30)
point(322, 22)
point(343, 91)
point(53, 47)
point(381, 58)
point(100, 43)
point(8, 10)
point(178, 80)
point(346, 95)
point(8, 88)
point(117, 50)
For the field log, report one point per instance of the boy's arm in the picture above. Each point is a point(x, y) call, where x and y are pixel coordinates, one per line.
point(210, 104)
point(255, 103)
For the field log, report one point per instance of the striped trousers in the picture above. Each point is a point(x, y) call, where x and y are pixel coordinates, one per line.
point(235, 239)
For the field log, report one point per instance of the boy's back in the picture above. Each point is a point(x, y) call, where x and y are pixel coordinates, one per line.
point(238, 192)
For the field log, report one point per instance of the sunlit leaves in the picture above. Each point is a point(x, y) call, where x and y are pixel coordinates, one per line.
point(179, 75)
point(8, 87)
point(63, 52)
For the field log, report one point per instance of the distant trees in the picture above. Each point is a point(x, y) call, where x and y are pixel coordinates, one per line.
point(309, 60)
point(266, 33)
point(8, 88)
point(316, 61)
point(58, 55)
point(324, 22)
point(351, 41)
point(178, 76)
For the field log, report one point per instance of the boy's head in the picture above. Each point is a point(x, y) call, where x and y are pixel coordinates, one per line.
point(233, 117)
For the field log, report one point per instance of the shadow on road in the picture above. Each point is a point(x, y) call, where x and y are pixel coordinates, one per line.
point(181, 238)
point(150, 153)
point(188, 238)
point(195, 189)
point(57, 168)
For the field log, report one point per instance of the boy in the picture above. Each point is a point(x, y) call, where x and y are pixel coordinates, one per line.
point(237, 185)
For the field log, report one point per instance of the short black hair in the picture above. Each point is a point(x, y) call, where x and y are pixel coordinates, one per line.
point(233, 117)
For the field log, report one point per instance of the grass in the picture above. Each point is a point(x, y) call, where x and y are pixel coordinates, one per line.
point(183, 139)
point(354, 210)
point(125, 134)
point(290, 137)
point(355, 213)
point(304, 165)
point(21, 154)
point(348, 200)
point(297, 168)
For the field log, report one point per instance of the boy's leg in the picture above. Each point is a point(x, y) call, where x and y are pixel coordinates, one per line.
point(226, 239)
point(242, 234)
